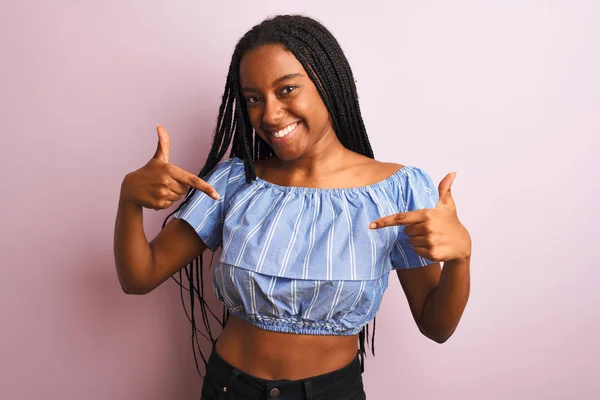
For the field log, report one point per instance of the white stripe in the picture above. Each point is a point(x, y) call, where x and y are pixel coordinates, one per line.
point(401, 188)
point(311, 239)
point(330, 244)
point(429, 192)
point(236, 178)
point(252, 294)
point(294, 312)
point(201, 195)
point(232, 276)
point(208, 213)
point(219, 223)
point(372, 297)
point(373, 253)
point(360, 292)
point(254, 230)
point(402, 196)
point(224, 289)
point(336, 300)
point(274, 223)
point(404, 208)
point(286, 257)
point(402, 253)
point(393, 210)
point(381, 214)
point(314, 299)
point(234, 230)
point(350, 240)
point(242, 201)
point(270, 292)
point(415, 193)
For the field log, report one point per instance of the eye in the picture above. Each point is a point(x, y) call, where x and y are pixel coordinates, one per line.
point(252, 99)
point(288, 89)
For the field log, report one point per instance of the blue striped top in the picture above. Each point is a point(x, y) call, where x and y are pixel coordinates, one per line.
point(303, 260)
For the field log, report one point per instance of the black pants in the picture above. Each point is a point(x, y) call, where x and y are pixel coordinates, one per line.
point(225, 382)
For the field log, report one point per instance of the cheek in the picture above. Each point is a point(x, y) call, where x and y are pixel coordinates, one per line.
point(313, 110)
point(319, 110)
point(254, 115)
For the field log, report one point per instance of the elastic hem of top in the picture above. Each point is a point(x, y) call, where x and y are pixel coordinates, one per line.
point(289, 327)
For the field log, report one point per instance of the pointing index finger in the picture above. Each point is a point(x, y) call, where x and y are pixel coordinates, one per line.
point(403, 218)
point(192, 180)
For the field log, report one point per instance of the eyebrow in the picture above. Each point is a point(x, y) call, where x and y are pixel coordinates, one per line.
point(278, 80)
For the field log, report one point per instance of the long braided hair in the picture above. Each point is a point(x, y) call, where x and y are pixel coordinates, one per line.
point(325, 63)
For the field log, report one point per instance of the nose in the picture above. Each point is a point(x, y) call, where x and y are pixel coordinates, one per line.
point(273, 112)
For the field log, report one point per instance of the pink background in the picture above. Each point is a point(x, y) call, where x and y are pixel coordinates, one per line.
point(507, 93)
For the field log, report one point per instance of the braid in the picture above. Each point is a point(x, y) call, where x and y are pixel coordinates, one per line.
point(324, 61)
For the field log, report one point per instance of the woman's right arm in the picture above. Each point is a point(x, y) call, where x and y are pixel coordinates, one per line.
point(142, 265)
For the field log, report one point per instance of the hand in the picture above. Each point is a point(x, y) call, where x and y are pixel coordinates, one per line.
point(435, 233)
point(158, 184)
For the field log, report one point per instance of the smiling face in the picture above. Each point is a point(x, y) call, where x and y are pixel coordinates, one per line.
point(283, 104)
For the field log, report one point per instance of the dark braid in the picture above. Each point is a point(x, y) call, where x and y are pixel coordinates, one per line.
point(325, 63)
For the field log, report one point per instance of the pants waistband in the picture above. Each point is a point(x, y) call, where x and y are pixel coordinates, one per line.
point(254, 387)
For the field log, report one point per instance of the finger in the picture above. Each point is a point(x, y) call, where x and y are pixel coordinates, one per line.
point(178, 188)
point(164, 144)
point(419, 241)
point(192, 180)
point(163, 205)
point(424, 252)
point(172, 196)
point(164, 193)
point(415, 230)
point(445, 191)
point(404, 218)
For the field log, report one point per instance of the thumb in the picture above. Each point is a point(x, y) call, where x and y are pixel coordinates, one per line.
point(445, 191)
point(164, 144)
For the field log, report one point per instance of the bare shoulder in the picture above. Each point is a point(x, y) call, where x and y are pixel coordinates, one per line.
point(355, 171)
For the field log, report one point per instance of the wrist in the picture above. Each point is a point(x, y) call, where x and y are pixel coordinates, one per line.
point(125, 200)
point(461, 260)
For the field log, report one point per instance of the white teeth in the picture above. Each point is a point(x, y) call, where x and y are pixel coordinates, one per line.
point(285, 131)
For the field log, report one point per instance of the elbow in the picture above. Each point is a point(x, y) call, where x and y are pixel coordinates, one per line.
point(441, 339)
point(439, 336)
point(135, 288)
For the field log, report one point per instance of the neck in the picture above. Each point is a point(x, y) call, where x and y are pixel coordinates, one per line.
point(326, 155)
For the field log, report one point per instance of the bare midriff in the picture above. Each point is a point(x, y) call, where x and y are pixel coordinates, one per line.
point(275, 355)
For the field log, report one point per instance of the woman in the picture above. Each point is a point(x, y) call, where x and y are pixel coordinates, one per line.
point(308, 223)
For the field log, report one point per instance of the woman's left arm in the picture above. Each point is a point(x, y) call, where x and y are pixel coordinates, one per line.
point(437, 296)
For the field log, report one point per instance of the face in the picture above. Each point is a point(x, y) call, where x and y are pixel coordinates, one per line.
point(283, 104)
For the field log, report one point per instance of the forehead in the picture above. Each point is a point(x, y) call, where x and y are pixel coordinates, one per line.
point(264, 64)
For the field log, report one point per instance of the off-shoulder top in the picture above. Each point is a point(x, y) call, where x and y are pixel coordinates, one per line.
point(303, 260)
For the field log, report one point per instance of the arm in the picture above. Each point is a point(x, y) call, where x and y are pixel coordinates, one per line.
point(142, 266)
point(437, 297)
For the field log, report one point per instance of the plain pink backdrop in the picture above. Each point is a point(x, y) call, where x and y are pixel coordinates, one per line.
point(507, 93)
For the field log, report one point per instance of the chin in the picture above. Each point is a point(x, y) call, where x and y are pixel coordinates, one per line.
point(288, 154)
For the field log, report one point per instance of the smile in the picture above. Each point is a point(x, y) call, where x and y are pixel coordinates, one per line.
point(285, 131)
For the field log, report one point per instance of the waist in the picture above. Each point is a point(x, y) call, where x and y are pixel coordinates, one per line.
point(276, 355)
